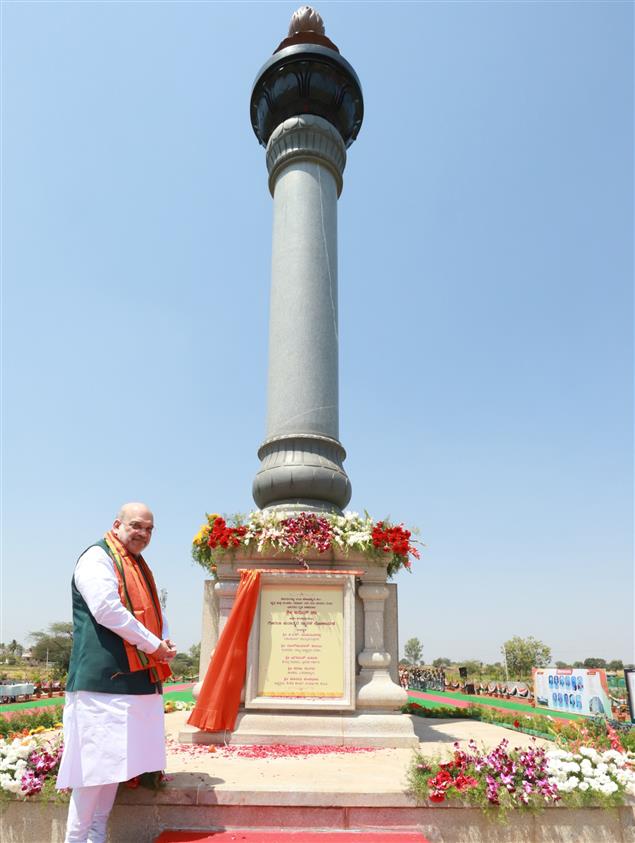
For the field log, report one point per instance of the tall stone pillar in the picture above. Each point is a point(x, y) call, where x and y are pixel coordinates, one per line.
point(306, 108)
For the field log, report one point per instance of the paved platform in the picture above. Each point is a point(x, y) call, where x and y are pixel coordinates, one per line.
point(344, 777)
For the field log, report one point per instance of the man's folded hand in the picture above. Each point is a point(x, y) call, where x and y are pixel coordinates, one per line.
point(166, 651)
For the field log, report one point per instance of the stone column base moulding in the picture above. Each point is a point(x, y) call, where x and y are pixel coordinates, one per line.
point(380, 729)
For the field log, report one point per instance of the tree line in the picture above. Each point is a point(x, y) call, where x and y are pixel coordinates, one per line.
point(520, 655)
point(53, 646)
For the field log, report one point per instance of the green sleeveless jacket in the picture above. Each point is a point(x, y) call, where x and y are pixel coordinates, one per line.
point(98, 658)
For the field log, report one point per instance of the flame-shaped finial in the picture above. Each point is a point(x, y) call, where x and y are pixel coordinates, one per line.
point(306, 19)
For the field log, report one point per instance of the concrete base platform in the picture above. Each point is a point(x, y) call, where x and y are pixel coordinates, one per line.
point(217, 789)
point(137, 819)
point(316, 729)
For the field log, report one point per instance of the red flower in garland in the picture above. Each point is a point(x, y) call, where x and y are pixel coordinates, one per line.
point(394, 540)
point(223, 536)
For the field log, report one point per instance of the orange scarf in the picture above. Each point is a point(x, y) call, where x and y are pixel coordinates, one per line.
point(219, 699)
point(138, 594)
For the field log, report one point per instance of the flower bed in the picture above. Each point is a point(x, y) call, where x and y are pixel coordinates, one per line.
point(177, 705)
point(29, 764)
point(504, 779)
point(304, 534)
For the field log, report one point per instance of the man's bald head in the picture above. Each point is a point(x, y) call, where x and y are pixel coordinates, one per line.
point(132, 510)
point(133, 526)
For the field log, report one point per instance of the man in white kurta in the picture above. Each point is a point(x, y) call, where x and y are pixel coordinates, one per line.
point(109, 737)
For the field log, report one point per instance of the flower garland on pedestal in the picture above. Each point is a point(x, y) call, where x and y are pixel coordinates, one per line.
point(303, 534)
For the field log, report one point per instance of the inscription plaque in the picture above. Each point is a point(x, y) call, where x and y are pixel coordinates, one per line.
point(301, 644)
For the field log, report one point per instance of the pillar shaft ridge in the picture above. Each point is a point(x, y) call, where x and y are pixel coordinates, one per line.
point(306, 137)
point(301, 457)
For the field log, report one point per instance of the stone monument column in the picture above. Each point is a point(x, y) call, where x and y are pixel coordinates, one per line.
point(306, 108)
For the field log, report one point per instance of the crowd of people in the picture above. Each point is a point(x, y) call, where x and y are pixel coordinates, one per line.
point(420, 678)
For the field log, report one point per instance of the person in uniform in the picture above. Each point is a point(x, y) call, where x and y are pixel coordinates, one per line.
point(113, 717)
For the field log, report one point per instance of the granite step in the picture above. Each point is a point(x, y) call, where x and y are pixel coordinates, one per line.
point(279, 836)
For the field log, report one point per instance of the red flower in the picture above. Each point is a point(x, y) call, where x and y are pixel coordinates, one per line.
point(223, 536)
point(462, 782)
point(395, 540)
point(517, 723)
point(614, 738)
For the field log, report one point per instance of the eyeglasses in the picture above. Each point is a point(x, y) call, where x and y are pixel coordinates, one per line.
point(138, 527)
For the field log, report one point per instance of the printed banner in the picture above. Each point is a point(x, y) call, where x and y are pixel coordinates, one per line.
point(629, 676)
point(573, 690)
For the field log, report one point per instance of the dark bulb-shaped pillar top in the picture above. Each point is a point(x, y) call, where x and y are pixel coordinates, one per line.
point(307, 75)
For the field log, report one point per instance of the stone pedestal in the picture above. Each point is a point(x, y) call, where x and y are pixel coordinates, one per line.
point(376, 719)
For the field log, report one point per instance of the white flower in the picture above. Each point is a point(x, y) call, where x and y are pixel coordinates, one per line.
point(559, 755)
point(584, 785)
point(569, 784)
point(609, 787)
point(625, 777)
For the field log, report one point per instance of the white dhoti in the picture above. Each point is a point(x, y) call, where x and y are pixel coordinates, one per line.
point(111, 738)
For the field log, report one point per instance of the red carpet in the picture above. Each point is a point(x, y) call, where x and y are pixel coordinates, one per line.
point(291, 837)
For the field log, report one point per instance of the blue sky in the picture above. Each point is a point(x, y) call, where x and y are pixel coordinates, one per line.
point(486, 302)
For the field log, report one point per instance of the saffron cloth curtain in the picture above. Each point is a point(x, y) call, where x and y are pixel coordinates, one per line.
point(217, 704)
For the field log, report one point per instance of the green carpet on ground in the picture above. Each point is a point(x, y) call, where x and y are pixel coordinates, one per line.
point(41, 703)
point(185, 696)
point(513, 705)
point(173, 696)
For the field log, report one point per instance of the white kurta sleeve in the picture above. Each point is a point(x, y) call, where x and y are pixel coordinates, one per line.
point(97, 582)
